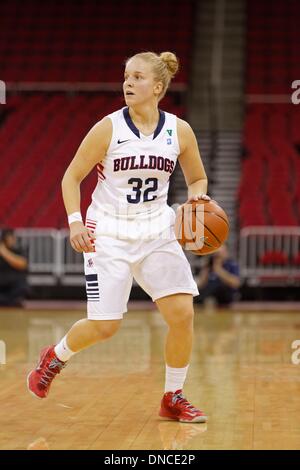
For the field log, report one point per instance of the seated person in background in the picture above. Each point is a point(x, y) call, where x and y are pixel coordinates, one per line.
point(219, 278)
point(13, 270)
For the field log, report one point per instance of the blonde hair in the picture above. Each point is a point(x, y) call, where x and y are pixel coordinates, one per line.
point(164, 66)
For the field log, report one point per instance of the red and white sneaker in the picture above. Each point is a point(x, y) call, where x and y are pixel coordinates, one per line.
point(175, 406)
point(39, 379)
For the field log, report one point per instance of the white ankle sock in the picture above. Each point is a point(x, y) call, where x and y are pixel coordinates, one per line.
point(175, 378)
point(62, 351)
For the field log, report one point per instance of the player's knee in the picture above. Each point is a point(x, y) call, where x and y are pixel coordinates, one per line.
point(181, 317)
point(105, 328)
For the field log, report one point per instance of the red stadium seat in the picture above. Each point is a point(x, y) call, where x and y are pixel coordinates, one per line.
point(271, 131)
point(273, 258)
point(35, 53)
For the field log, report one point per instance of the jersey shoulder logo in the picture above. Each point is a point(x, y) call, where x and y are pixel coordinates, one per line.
point(122, 141)
point(169, 131)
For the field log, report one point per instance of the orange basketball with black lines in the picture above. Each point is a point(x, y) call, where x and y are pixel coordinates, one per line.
point(201, 226)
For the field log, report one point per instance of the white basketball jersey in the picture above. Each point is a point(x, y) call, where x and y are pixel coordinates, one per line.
point(133, 178)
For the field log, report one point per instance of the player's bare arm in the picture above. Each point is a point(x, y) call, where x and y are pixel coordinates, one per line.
point(191, 163)
point(91, 151)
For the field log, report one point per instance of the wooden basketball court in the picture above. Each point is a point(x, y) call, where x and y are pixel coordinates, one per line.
point(108, 397)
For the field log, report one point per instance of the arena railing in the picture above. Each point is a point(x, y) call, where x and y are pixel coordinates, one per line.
point(51, 258)
point(270, 255)
point(53, 261)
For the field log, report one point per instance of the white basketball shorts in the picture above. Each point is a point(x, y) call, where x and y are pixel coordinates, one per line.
point(159, 267)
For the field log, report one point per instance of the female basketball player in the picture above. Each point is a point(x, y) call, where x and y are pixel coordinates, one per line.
point(128, 230)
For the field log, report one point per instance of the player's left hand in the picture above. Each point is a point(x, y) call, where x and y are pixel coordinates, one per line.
point(197, 197)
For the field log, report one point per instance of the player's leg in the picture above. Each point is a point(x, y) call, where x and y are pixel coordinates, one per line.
point(105, 309)
point(178, 312)
point(166, 276)
point(53, 359)
point(85, 333)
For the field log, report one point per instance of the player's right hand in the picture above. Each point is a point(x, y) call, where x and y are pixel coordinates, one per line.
point(81, 238)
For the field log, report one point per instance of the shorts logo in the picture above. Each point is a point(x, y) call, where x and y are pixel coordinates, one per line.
point(92, 287)
point(90, 263)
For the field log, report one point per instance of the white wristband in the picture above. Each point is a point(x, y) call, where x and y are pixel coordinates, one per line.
point(75, 217)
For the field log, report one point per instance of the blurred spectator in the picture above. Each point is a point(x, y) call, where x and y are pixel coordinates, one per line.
point(219, 278)
point(13, 270)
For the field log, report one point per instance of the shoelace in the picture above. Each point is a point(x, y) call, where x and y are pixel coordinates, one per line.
point(179, 398)
point(49, 374)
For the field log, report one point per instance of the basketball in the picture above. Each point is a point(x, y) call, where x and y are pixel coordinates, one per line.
point(201, 226)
